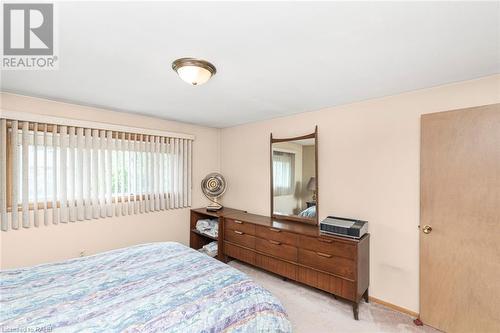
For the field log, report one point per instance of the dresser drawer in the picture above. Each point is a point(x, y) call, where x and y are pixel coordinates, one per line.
point(329, 263)
point(328, 246)
point(277, 266)
point(277, 235)
point(276, 249)
point(247, 228)
point(327, 282)
point(240, 238)
point(239, 253)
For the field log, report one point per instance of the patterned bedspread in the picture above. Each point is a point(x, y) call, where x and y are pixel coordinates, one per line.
point(159, 287)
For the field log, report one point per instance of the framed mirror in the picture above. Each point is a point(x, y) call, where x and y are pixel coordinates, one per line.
point(294, 178)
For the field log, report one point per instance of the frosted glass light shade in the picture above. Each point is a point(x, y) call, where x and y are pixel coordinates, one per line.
point(194, 75)
point(194, 71)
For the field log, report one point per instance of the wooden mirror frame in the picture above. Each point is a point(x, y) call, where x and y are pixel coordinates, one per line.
point(314, 136)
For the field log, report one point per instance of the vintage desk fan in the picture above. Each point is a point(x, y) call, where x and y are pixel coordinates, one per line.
point(213, 187)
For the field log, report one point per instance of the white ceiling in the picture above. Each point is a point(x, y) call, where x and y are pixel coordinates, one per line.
point(272, 59)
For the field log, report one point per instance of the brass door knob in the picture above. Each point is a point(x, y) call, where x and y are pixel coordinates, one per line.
point(427, 229)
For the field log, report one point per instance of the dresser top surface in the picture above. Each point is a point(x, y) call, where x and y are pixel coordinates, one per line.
point(267, 221)
point(222, 212)
point(291, 226)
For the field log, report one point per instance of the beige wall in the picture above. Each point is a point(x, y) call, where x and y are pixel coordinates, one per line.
point(38, 245)
point(308, 171)
point(368, 169)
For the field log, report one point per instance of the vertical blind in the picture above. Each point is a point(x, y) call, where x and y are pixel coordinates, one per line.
point(283, 173)
point(58, 174)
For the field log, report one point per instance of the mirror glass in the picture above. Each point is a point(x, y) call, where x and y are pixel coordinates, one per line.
point(294, 179)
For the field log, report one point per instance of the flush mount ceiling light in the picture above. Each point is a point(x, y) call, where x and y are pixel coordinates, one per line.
point(194, 71)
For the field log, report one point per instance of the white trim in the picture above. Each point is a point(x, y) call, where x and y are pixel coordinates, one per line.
point(33, 117)
point(284, 150)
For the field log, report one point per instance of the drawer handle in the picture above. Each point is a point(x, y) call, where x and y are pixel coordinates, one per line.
point(321, 254)
point(239, 232)
point(239, 222)
point(274, 242)
point(275, 230)
point(325, 240)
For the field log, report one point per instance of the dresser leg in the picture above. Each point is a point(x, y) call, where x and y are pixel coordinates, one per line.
point(355, 310)
point(365, 296)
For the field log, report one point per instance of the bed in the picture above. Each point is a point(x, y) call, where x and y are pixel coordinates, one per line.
point(158, 287)
point(308, 212)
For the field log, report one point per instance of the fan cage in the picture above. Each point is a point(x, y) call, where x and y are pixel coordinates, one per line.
point(213, 185)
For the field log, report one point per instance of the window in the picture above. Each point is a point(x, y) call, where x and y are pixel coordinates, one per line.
point(81, 173)
point(283, 173)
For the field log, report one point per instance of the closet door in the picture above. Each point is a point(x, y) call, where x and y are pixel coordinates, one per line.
point(460, 220)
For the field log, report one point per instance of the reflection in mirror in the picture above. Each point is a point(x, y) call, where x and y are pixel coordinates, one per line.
point(294, 178)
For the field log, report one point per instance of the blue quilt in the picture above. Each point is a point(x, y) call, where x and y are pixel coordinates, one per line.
point(309, 212)
point(159, 287)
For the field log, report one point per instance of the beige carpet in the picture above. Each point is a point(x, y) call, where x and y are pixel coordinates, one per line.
point(313, 311)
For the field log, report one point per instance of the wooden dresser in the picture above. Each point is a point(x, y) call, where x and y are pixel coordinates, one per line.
point(298, 252)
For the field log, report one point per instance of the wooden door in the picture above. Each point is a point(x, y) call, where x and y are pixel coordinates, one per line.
point(460, 201)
